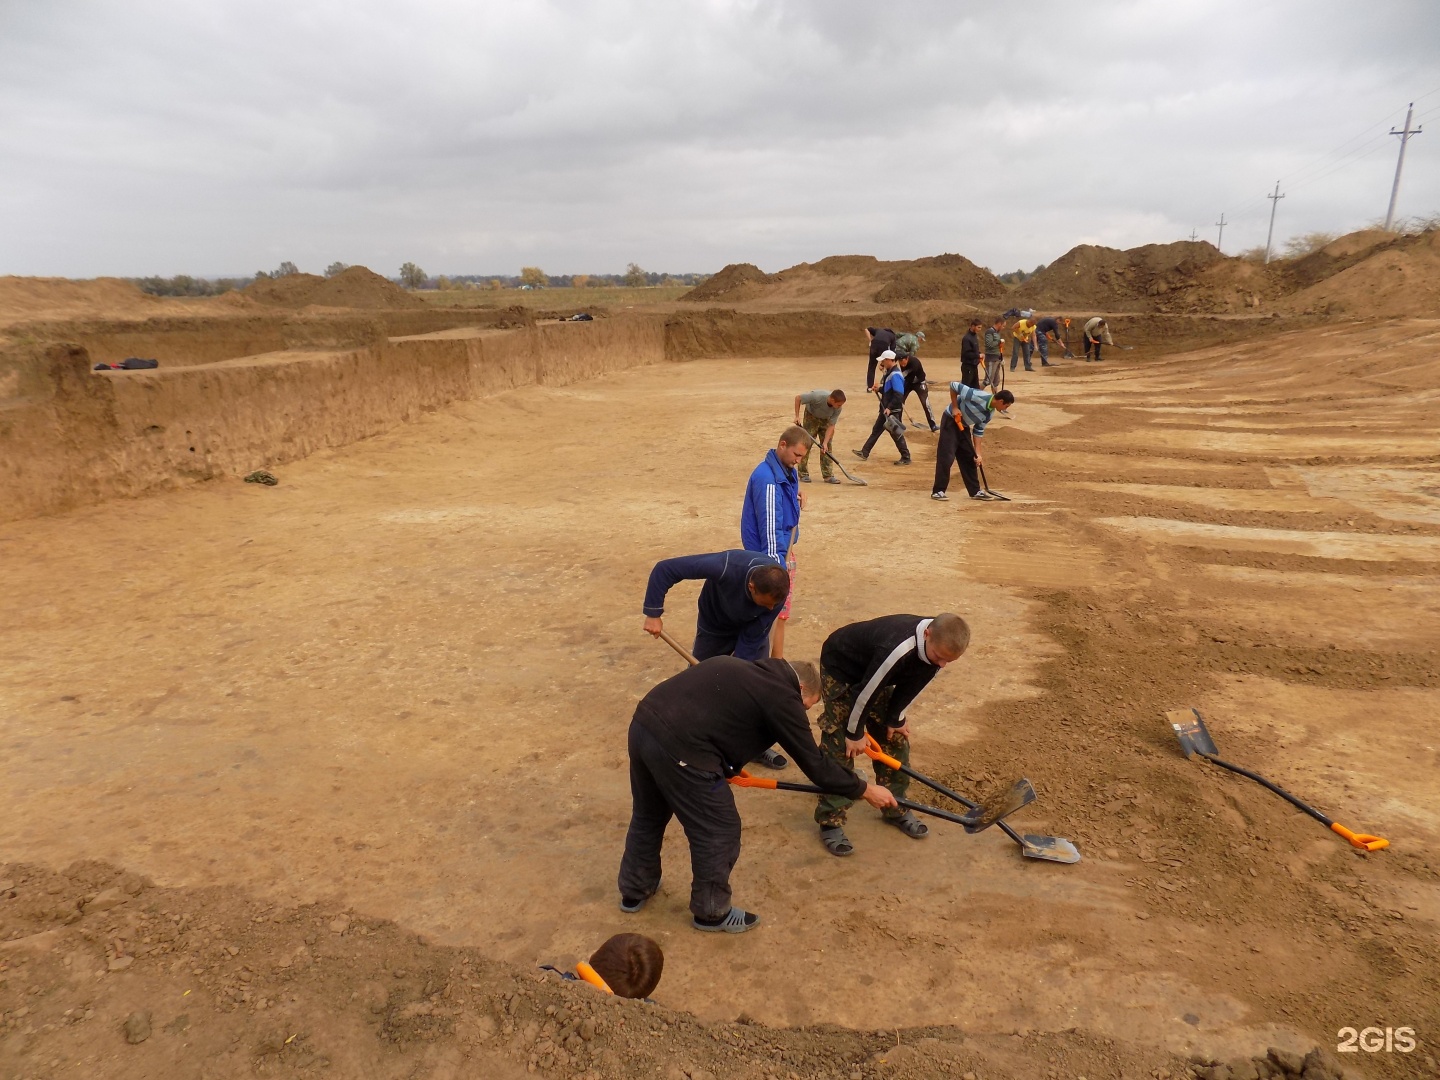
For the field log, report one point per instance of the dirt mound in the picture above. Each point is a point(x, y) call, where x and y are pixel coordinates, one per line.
point(941, 277)
point(356, 287)
point(1398, 277)
point(732, 279)
point(25, 298)
point(1108, 279)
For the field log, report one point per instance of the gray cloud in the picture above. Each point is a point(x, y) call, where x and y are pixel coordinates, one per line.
point(223, 137)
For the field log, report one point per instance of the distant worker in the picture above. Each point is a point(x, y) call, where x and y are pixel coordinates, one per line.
point(770, 516)
point(962, 428)
point(1046, 329)
point(995, 353)
point(739, 601)
point(880, 339)
point(1051, 329)
point(908, 344)
point(1097, 332)
point(892, 401)
point(690, 732)
point(914, 373)
point(818, 412)
point(970, 354)
point(870, 672)
point(1023, 343)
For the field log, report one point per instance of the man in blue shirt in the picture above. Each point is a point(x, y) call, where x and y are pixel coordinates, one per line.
point(892, 402)
point(770, 517)
point(739, 601)
point(961, 428)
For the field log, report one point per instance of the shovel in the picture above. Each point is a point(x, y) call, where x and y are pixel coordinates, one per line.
point(1018, 794)
point(1049, 848)
point(833, 461)
point(1195, 739)
point(985, 485)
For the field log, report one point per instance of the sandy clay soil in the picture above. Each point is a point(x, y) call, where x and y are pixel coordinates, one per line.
point(306, 780)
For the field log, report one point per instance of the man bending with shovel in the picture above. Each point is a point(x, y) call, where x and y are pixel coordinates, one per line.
point(739, 601)
point(690, 733)
point(870, 672)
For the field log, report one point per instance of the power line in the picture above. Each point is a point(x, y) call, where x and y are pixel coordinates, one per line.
point(1405, 136)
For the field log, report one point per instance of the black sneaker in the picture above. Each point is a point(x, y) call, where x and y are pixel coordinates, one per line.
point(903, 461)
point(982, 496)
point(939, 496)
point(860, 454)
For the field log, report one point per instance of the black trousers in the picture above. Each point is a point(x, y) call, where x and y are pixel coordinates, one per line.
point(955, 447)
point(922, 391)
point(1088, 345)
point(662, 788)
point(875, 437)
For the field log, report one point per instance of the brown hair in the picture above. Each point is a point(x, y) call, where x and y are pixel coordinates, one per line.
point(838, 395)
point(795, 435)
point(630, 964)
point(772, 581)
point(951, 633)
point(808, 675)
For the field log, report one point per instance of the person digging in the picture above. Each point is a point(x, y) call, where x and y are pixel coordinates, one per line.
point(687, 736)
point(916, 383)
point(892, 402)
point(818, 412)
point(870, 672)
point(1097, 333)
point(962, 429)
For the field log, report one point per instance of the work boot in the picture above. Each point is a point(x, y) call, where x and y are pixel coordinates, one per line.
point(861, 454)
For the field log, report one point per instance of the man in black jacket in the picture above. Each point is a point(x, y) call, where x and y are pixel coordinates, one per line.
point(690, 733)
point(881, 339)
point(870, 672)
point(970, 355)
point(914, 373)
point(892, 404)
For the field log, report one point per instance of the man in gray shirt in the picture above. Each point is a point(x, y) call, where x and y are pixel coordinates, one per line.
point(818, 412)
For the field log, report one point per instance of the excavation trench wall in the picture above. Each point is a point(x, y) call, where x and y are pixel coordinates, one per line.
point(90, 436)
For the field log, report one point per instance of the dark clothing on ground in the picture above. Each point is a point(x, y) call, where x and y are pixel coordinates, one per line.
point(728, 621)
point(880, 340)
point(688, 734)
point(871, 656)
point(892, 398)
point(955, 446)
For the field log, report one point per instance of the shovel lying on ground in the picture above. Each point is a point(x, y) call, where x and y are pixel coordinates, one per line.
point(826, 453)
point(1049, 848)
point(1018, 794)
point(985, 485)
point(1195, 739)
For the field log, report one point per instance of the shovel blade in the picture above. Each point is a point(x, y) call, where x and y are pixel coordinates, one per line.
point(1194, 736)
point(1021, 793)
point(1049, 848)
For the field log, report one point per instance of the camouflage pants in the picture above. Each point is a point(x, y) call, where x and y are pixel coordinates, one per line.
point(839, 699)
point(816, 427)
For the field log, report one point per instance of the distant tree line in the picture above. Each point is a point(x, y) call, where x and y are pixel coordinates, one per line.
point(1015, 277)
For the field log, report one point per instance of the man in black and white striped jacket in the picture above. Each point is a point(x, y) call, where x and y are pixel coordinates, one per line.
point(870, 672)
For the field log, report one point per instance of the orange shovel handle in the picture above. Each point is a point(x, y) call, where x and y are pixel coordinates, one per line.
point(873, 751)
point(1360, 840)
point(591, 976)
point(744, 779)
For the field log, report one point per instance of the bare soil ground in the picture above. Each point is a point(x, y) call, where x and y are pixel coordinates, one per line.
point(259, 739)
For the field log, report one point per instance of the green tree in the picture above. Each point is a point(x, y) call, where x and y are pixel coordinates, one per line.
point(411, 276)
point(285, 269)
point(634, 276)
point(336, 268)
point(534, 277)
point(443, 282)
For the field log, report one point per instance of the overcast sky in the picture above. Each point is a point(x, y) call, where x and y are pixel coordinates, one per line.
point(212, 137)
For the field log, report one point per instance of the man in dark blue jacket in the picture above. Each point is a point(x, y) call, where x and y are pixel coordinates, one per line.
point(892, 404)
point(881, 339)
point(739, 601)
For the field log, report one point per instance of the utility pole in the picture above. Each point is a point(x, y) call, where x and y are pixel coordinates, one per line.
point(1221, 237)
point(1274, 202)
point(1399, 165)
point(1193, 236)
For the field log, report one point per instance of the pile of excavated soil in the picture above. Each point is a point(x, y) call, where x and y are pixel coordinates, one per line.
point(853, 279)
point(942, 277)
point(732, 279)
point(356, 287)
point(1394, 276)
point(1153, 277)
point(26, 298)
point(103, 974)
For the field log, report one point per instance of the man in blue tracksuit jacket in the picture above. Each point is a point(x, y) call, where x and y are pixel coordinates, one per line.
point(740, 600)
